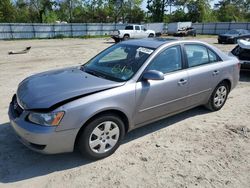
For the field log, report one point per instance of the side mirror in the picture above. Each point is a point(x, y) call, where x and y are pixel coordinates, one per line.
point(153, 75)
point(144, 29)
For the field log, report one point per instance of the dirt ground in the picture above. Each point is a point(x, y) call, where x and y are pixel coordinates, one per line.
point(194, 149)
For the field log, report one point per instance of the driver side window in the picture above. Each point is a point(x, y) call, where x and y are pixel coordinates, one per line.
point(167, 61)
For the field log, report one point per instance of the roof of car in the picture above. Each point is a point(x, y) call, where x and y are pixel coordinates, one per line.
point(150, 42)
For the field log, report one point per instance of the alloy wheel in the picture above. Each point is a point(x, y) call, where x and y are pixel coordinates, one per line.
point(220, 96)
point(104, 137)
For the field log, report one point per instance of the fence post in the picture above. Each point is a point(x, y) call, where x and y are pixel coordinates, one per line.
point(202, 28)
point(34, 31)
point(53, 30)
point(86, 29)
point(229, 26)
point(215, 28)
point(102, 32)
point(71, 29)
point(11, 31)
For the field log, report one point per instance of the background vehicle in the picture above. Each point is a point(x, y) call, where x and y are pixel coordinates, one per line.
point(173, 28)
point(186, 31)
point(126, 86)
point(232, 36)
point(132, 31)
point(242, 52)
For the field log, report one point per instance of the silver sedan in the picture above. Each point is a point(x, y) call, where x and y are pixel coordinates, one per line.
point(126, 86)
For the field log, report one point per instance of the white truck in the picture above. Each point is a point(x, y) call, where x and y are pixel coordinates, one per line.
point(173, 28)
point(133, 32)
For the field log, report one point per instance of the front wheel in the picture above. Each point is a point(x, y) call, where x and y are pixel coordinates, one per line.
point(117, 40)
point(218, 97)
point(101, 137)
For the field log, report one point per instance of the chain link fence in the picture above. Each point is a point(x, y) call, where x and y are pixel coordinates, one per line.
point(35, 30)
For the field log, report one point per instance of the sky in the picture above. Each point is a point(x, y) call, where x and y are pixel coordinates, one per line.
point(144, 4)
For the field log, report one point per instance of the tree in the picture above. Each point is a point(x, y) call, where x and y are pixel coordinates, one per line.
point(228, 10)
point(156, 9)
point(41, 8)
point(199, 11)
point(7, 11)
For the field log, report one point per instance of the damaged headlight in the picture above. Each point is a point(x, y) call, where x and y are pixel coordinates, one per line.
point(46, 119)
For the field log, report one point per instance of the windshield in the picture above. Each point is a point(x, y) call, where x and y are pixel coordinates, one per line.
point(119, 63)
point(233, 32)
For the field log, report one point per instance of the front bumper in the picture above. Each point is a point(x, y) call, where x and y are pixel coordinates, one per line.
point(227, 40)
point(41, 139)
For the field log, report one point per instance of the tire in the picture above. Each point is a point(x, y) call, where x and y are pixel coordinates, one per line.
point(117, 40)
point(101, 137)
point(219, 41)
point(220, 92)
point(126, 37)
point(151, 35)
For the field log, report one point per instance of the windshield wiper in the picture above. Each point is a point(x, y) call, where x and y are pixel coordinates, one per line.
point(94, 73)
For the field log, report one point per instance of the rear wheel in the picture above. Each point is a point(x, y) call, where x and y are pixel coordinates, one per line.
point(151, 35)
point(126, 37)
point(101, 137)
point(218, 97)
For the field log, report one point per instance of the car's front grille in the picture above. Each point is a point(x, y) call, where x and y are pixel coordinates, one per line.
point(16, 107)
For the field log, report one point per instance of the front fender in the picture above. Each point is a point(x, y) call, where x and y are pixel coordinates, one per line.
point(78, 112)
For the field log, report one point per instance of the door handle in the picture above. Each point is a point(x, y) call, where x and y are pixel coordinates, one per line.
point(216, 72)
point(182, 82)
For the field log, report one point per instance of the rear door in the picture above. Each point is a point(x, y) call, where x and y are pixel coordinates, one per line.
point(162, 97)
point(137, 31)
point(204, 72)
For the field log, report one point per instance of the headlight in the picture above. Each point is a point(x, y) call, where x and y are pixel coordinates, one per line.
point(46, 119)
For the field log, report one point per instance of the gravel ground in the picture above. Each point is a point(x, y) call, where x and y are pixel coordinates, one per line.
point(196, 148)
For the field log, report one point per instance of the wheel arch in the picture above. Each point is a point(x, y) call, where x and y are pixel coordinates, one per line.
point(126, 34)
point(151, 34)
point(116, 112)
point(228, 82)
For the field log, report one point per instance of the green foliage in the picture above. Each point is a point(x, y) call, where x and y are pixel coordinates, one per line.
point(228, 11)
point(125, 11)
point(7, 11)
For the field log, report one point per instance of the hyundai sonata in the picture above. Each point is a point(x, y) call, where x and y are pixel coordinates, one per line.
point(126, 86)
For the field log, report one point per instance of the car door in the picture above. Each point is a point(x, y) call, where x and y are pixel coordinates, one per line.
point(144, 34)
point(158, 98)
point(137, 31)
point(204, 72)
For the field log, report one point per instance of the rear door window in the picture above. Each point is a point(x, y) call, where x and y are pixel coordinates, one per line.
point(198, 55)
point(137, 27)
point(212, 56)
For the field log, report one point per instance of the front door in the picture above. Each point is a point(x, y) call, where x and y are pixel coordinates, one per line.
point(158, 98)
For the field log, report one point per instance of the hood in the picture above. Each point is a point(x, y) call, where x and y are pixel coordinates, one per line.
point(44, 90)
